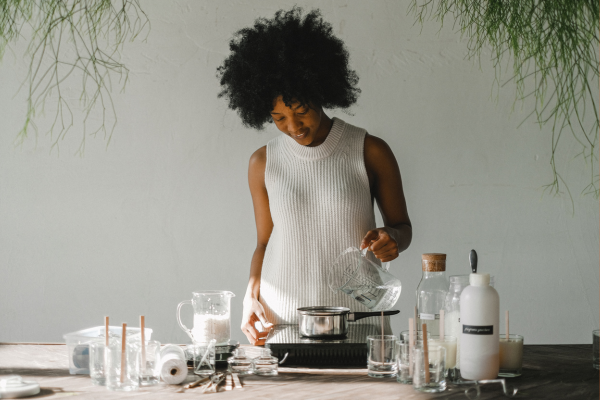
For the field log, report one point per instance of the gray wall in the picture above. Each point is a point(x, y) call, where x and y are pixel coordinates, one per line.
point(134, 227)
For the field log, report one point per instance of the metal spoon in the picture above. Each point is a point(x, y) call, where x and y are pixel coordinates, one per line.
point(473, 261)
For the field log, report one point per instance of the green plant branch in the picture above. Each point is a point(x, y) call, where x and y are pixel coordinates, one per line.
point(553, 47)
point(68, 37)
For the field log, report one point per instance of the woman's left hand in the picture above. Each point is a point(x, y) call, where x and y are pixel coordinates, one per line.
point(381, 243)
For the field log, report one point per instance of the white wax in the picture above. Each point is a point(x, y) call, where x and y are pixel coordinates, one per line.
point(511, 354)
point(453, 328)
point(208, 326)
point(450, 351)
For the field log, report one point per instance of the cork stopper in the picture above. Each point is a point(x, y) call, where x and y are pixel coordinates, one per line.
point(433, 262)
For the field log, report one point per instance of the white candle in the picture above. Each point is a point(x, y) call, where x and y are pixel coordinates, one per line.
point(511, 353)
point(450, 346)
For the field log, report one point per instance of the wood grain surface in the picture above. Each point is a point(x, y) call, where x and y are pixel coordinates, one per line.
point(549, 372)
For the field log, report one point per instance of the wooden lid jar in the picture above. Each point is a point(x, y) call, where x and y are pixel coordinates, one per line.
point(433, 262)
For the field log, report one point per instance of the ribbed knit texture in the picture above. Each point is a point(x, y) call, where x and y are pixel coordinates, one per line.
point(320, 204)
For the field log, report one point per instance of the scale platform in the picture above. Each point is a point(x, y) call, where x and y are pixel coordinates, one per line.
point(294, 350)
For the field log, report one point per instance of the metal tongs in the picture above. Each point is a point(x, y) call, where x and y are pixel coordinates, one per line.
point(475, 391)
point(213, 385)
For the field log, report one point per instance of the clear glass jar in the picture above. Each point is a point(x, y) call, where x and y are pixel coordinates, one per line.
point(265, 364)
point(240, 363)
point(431, 292)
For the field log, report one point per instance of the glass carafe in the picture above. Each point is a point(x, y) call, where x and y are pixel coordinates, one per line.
point(212, 316)
point(363, 280)
point(431, 292)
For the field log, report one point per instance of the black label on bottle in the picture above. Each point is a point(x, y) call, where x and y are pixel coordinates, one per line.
point(478, 329)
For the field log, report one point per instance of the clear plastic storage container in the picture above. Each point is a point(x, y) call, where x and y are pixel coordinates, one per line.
point(78, 349)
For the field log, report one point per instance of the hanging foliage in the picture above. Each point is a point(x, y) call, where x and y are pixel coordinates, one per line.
point(553, 47)
point(68, 39)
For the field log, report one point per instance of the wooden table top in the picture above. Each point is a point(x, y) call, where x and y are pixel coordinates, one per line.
point(549, 372)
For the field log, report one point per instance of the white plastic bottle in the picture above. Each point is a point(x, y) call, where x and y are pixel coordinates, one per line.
point(479, 320)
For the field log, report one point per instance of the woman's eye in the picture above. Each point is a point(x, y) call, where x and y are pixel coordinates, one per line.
point(278, 120)
point(303, 112)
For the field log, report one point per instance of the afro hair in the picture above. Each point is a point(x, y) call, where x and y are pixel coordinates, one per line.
point(293, 56)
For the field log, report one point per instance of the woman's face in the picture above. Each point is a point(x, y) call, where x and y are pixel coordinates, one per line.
point(307, 125)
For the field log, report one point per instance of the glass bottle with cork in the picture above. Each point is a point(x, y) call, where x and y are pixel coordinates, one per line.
point(431, 291)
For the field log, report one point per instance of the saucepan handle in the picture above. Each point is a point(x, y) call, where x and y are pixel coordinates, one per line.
point(355, 316)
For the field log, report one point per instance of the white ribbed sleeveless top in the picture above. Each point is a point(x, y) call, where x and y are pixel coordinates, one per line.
point(320, 204)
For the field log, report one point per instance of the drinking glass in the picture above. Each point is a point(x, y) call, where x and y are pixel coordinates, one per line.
point(435, 381)
point(449, 343)
point(405, 335)
point(204, 358)
point(98, 363)
point(150, 363)
point(511, 355)
point(123, 373)
point(405, 359)
point(381, 358)
point(596, 349)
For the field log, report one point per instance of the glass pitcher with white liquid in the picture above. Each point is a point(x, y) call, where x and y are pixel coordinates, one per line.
point(363, 280)
point(212, 316)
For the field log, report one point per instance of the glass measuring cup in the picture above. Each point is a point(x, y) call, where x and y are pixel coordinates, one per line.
point(363, 280)
point(212, 316)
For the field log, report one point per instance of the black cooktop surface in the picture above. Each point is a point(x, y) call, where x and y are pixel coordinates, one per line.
point(294, 350)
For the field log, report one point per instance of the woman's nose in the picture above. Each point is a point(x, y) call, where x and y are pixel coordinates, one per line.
point(294, 125)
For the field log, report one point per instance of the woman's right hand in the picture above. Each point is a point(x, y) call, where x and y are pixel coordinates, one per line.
point(253, 313)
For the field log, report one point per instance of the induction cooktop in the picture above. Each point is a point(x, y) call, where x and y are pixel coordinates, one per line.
point(294, 350)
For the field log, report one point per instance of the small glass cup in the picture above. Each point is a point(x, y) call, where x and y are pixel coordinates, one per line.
point(204, 358)
point(265, 364)
point(240, 363)
point(436, 365)
point(511, 356)
point(596, 349)
point(98, 363)
point(381, 358)
point(150, 363)
point(405, 336)
point(449, 343)
point(123, 373)
point(404, 362)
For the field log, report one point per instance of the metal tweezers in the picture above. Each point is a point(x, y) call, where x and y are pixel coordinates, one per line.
point(213, 385)
point(475, 391)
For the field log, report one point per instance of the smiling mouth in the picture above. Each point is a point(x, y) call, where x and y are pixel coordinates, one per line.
point(300, 136)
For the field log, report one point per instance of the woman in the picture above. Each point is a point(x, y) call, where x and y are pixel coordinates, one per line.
point(312, 187)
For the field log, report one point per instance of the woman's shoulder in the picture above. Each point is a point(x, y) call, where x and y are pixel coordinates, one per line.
point(258, 159)
point(376, 145)
point(378, 154)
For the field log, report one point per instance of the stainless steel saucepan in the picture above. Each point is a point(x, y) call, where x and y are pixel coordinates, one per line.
point(320, 322)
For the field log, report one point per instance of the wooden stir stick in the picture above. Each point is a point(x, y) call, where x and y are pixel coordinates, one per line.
point(143, 331)
point(123, 353)
point(425, 354)
point(106, 329)
point(442, 325)
point(411, 344)
point(507, 331)
point(382, 343)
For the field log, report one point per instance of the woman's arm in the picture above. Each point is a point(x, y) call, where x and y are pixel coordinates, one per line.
point(253, 310)
point(386, 188)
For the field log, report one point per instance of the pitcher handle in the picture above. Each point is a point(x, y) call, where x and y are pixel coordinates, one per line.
point(384, 266)
point(185, 328)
